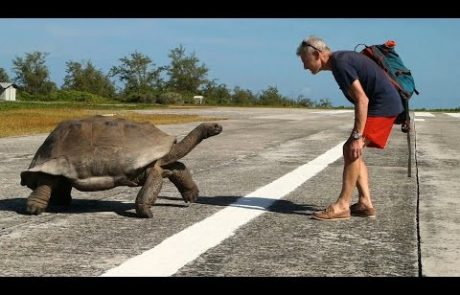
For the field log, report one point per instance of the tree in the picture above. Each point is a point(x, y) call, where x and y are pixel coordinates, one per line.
point(271, 96)
point(304, 101)
point(142, 80)
point(32, 74)
point(244, 97)
point(87, 78)
point(324, 103)
point(185, 75)
point(216, 93)
point(4, 76)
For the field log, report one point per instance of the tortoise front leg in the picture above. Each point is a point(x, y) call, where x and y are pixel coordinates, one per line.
point(149, 193)
point(182, 179)
point(39, 198)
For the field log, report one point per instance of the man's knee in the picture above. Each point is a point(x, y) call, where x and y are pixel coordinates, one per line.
point(346, 152)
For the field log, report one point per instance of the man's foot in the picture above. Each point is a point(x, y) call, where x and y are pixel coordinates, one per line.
point(361, 210)
point(331, 214)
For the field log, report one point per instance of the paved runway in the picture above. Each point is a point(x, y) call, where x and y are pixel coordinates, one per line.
point(260, 180)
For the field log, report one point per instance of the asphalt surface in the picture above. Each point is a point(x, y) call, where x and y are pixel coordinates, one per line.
point(416, 231)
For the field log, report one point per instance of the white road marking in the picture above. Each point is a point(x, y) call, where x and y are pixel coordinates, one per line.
point(418, 119)
point(169, 256)
point(334, 112)
point(455, 115)
point(293, 117)
point(424, 114)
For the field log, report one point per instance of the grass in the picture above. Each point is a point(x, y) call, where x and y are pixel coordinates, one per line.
point(15, 121)
point(22, 105)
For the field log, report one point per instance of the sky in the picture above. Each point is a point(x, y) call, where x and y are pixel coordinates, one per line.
point(250, 53)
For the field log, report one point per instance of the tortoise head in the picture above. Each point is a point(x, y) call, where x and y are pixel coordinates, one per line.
point(210, 129)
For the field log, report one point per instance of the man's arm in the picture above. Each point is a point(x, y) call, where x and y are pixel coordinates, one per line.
point(357, 93)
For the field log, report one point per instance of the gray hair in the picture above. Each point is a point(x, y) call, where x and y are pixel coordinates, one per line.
point(311, 44)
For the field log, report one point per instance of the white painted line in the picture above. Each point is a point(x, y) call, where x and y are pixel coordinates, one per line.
point(169, 256)
point(423, 114)
point(293, 117)
point(418, 119)
point(333, 112)
point(455, 115)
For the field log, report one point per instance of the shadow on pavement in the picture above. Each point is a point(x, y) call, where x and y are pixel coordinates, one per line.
point(18, 205)
point(279, 206)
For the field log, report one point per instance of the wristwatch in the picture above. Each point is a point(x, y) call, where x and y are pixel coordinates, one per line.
point(356, 135)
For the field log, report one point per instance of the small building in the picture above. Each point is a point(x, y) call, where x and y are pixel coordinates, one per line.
point(198, 99)
point(8, 91)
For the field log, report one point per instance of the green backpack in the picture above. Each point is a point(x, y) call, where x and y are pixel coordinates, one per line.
point(401, 77)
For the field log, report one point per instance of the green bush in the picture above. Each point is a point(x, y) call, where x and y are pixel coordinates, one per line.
point(64, 96)
point(78, 96)
point(170, 98)
point(25, 96)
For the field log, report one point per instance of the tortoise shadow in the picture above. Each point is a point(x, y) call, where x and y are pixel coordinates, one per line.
point(122, 208)
point(265, 204)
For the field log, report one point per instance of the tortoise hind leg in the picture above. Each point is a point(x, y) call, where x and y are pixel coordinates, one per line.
point(39, 198)
point(182, 179)
point(149, 192)
point(61, 194)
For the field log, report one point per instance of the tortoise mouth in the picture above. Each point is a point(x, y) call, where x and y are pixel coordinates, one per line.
point(218, 128)
point(214, 130)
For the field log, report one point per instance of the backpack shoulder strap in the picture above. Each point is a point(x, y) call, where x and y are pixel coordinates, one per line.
point(365, 46)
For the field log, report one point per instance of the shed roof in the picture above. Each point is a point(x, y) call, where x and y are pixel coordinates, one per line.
point(5, 85)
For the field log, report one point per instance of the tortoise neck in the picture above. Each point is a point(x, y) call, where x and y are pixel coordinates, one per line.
point(183, 147)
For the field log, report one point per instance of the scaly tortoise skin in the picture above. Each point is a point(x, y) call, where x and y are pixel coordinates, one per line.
point(100, 153)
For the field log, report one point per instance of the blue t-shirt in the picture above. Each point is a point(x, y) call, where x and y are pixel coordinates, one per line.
point(384, 100)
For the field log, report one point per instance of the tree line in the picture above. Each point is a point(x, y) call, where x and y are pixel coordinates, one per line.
point(139, 80)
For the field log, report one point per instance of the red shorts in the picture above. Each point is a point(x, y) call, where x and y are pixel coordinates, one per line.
point(377, 131)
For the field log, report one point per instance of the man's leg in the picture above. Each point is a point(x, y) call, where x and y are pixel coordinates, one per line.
point(351, 174)
point(340, 209)
point(363, 187)
point(376, 134)
point(363, 207)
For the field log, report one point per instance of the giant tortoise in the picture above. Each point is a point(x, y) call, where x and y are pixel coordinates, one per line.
point(100, 153)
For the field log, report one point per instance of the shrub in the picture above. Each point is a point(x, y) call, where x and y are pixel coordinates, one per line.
point(170, 98)
point(63, 95)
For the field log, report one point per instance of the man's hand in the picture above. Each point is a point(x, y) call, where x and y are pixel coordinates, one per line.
point(354, 148)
